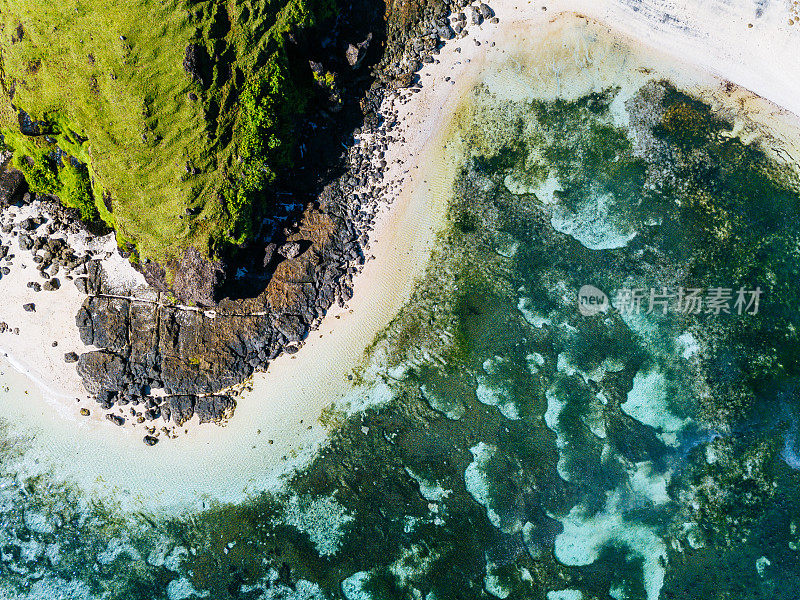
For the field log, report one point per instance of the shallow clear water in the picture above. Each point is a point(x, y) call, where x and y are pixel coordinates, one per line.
point(497, 440)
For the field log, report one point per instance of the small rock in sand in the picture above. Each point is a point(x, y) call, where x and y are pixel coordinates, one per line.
point(115, 419)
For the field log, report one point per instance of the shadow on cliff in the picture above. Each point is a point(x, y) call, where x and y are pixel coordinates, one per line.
point(348, 46)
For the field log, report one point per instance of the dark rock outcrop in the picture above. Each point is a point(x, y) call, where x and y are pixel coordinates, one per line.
point(211, 409)
point(197, 278)
point(12, 186)
point(308, 260)
point(102, 370)
point(196, 63)
point(178, 409)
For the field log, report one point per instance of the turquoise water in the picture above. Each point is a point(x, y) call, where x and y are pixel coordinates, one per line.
point(520, 448)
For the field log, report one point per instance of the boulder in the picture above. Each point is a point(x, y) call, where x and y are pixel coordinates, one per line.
point(116, 419)
point(83, 320)
point(196, 63)
point(269, 253)
point(403, 81)
point(477, 18)
point(25, 241)
point(82, 284)
point(12, 186)
point(444, 31)
point(355, 53)
point(51, 284)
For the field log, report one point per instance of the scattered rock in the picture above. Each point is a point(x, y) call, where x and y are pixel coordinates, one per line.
point(29, 307)
point(51, 284)
point(116, 419)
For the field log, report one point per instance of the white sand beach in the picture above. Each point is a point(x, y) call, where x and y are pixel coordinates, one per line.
point(276, 425)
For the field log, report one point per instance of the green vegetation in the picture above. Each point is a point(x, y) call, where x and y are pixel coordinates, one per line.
point(70, 182)
point(76, 192)
point(180, 156)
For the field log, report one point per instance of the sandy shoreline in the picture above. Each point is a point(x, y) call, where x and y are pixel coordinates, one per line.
point(276, 425)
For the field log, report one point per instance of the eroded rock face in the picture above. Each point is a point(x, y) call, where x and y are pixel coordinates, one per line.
point(197, 278)
point(214, 408)
point(196, 63)
point(178, 409)
point(101, 370)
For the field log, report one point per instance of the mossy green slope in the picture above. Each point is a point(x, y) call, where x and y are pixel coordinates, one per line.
point(106, 81)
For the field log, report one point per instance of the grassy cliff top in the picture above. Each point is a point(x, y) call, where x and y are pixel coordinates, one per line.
point(165, 118)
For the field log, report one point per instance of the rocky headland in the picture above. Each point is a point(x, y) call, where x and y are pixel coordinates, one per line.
point(157, 355)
